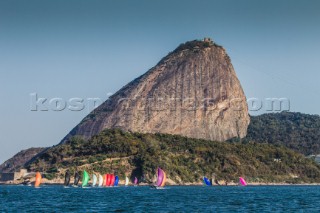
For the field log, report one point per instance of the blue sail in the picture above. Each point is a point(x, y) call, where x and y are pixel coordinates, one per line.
point(116, 181)
point(206, 181)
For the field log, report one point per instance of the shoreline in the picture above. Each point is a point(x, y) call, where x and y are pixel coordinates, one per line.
point(58, 181)
point(187, 184)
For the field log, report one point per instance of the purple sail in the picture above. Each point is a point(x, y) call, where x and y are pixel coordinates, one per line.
point(160, 177)
point(135, 181)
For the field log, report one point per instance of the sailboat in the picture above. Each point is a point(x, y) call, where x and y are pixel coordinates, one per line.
point(38, 180)
point(76, 179)
point(242, 181)
point(67, 178)
point(108, 179)
point(127, 181)
point(112, 179)
point(100, 180)
point(116, 180)
point(135, 182)
point(161, 179)
point(105, 180)
point(85, 178)
point(94, 180)
point(164, 178)
point(206, 181)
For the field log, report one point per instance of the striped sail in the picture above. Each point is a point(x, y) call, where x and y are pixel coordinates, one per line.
point(161, 180)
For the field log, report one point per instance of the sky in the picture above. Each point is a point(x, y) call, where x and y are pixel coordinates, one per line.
point(91, 48)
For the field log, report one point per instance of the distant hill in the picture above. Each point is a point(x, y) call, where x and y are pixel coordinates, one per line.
point(184, 159)
point(19, 159)
point(297, 131)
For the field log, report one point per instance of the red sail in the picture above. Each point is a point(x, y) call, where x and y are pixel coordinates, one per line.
point(108, 179)
point(112, 180)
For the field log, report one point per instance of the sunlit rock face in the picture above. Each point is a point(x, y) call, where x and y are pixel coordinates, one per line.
point(193, 91)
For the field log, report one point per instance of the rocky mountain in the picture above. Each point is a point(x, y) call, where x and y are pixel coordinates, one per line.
point(20, 159)
point(193, 92)
point(172, 117)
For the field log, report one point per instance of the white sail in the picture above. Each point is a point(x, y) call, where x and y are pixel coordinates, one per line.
point(100, 180)
point(94, 180)
point(127, 181)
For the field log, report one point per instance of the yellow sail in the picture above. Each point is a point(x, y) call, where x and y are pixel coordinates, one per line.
point(164, 179)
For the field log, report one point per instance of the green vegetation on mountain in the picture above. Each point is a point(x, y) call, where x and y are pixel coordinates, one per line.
point(297, 131)
point(184, 159)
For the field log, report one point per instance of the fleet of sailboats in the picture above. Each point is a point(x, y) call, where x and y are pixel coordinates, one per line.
point(110, 180)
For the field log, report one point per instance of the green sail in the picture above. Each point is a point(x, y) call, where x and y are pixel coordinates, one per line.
point(85, 178)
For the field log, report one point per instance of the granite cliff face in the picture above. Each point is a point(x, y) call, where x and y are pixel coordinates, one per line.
point(193, 91)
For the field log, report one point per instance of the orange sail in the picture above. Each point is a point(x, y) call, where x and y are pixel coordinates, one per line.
point(105, 180)
point(164, 179)
point(38, 179)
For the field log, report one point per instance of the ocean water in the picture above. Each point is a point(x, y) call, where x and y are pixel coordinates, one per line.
point(171, 199)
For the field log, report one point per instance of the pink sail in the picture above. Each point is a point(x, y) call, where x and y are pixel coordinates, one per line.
point(160, 177)
point(135, 181)
point(242, 181)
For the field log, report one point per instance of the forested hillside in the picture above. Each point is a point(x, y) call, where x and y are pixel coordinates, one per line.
point(297, 131)
point(184, 159)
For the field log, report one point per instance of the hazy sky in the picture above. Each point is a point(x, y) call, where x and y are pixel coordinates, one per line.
point(87, 49)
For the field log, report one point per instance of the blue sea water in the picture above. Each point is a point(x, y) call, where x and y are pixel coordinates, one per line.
point(171, 199)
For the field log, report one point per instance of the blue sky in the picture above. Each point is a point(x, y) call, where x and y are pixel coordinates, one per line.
point(88, 49)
